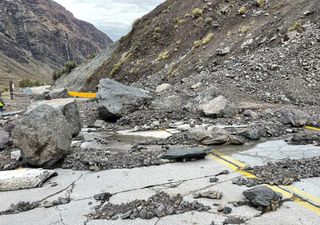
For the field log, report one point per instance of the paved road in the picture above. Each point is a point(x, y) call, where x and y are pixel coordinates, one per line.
point(141, 183)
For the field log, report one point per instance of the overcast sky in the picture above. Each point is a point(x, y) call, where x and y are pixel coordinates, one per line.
point(113, 17)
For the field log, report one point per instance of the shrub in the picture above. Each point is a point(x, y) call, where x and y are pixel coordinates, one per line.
point(243, 10)
point(196, 44)
point(244, 29)
point(116, 67)
point(261, 3)
point(70, 65)
point(28, 83)
point(207, 38)
point(197, 12)
point(297, 26)
point(180, 21)
point(163, 55)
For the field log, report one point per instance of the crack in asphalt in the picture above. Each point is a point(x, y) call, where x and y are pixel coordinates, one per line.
point(60, 215)
point(72, 185)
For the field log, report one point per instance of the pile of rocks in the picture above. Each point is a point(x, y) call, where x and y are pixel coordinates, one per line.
point(158, 205)
point(287, 171)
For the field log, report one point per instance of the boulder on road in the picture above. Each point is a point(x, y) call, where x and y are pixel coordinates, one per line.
point(116, 100)
point(186, 153)
point(213, 136)
point(218, 107)
point(69, 109)
point(262, 196)
point(293, 117)
point(43, 135)
point(58, 93)
point(4, 139)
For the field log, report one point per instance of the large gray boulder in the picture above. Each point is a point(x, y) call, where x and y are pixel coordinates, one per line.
point(4, 139)
point(262, 196)
point(213, 136)
point(58, 93)
point(44, 136)
point(116, 100)
point(293, 117)
point(218, 107)
point(69, 109)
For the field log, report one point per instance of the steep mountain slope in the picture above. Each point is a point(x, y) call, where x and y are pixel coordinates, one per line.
point(264, 50)
point(38, 36)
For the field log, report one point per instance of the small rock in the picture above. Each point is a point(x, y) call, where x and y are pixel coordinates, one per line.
point(47, 204)
point(223, 51)
point(227, 210)
point(213, 180)
point(163, 87)
point(63, 201)
point(16, 155)
point(115, 217)
point(102, 196)
point(208, 194)
point(220, 208)
point(126, 215)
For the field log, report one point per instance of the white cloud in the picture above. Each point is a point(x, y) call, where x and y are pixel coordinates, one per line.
point(114, 17)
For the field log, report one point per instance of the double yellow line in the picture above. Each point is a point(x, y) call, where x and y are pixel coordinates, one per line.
point(287, 191)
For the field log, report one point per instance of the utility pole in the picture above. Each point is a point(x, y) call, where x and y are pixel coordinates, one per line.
point(11, 88)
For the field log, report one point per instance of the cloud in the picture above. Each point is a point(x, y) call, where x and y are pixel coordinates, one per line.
point(113, 17)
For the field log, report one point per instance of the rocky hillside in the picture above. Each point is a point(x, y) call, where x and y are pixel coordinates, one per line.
point(261, 50)
point(38, 36)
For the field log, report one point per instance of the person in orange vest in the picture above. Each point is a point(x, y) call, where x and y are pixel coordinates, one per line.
point(2, 105)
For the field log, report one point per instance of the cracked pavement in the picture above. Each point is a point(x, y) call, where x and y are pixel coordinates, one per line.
point(141, 183)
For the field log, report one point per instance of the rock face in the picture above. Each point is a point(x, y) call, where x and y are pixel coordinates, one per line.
point(218, 107)
point(69, 108)
point(116, 100)
point(262, 196)
point(4, 139)
point(37, 36)
point(44, 136)
point(294, 117)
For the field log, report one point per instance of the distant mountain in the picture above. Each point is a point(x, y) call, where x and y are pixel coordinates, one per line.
point(39, 36)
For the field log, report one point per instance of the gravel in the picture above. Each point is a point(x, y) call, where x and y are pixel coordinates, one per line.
point(158, 205)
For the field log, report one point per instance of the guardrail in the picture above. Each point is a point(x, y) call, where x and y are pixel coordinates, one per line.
point(82, 94)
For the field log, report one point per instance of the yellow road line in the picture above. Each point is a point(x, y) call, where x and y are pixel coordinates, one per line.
point(302, 194)
point(222, 159)
point(82, 94)
point(229, 159)
point(312, 128)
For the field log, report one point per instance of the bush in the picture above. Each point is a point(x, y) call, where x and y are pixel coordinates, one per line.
point(261, 3)
point(207, 38)
point(163, 55)
point(29, 83)
point(70, 65)
point(197, 12)
point(117, 67)
point(243, 10)
point(297, 26)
